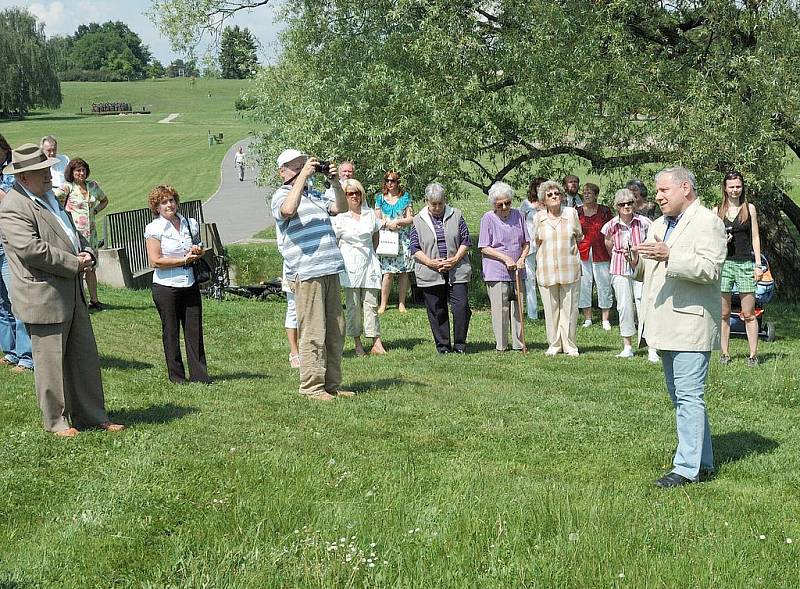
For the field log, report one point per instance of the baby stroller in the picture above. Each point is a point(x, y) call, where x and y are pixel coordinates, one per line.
point(765, 290)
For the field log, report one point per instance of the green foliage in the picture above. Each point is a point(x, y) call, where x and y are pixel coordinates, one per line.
point(109, 46)
point(155, 70)
point(237, 54)
point(180, 68)
point(27, 77)
point(489, 470)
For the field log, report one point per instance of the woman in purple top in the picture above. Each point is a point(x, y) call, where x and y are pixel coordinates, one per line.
point(504, 243)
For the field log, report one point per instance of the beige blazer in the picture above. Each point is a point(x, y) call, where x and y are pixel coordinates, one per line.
point(44, 270)
point(681, 300)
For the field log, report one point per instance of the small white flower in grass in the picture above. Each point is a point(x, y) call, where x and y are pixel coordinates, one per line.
point(727, 524)
point(762, 537)
point(297, 531)
point(573, 536)
point(372, 545)
point(371, 565)
point(331, 462)
point(621, 575)
point(788, 540)
point(385, 562)
point(342, 540)
point(232, 450)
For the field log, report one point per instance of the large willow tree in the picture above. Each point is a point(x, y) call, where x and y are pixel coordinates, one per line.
point(478, 91)
point(27, 77)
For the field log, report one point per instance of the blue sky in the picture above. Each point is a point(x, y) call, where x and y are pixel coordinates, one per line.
point(62, 17)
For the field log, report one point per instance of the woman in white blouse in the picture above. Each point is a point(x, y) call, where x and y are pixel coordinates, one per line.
point(173, 244)
point(357, 235)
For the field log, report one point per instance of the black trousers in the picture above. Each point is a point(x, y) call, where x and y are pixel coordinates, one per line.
point(182, 307)
point(436, 299)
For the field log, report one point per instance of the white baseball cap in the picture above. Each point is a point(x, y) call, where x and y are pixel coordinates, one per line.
point(288, 155)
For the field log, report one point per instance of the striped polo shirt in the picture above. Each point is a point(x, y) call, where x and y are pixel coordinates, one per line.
point(309, 244)
point(622, 236)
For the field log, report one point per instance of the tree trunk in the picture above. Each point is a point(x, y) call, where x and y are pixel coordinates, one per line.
point(780, 247)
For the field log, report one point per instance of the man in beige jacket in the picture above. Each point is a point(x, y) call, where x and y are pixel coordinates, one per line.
point(46, 256)
point(681, 262)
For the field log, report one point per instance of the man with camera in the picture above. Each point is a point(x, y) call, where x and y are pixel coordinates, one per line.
point(313, 263)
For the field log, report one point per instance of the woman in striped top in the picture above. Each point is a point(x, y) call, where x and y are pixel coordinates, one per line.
point(622, 234)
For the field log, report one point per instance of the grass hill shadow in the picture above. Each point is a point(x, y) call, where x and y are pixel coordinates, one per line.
point(154, 414)
point(733, 446)
point(381, 384)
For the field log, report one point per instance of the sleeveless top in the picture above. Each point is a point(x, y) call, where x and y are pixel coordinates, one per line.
point(740, 248)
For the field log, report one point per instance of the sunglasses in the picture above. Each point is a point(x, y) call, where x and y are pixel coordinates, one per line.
point(392, 180)
point(354, 193)
point(627, 203)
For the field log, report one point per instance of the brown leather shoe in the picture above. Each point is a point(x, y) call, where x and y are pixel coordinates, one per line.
point(321, 396)
point(341, 393)
point(110, 427)
point(67, 433)
point(6, 362)
point(20, 369)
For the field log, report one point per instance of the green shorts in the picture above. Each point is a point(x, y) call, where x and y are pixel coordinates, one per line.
point(740, 274)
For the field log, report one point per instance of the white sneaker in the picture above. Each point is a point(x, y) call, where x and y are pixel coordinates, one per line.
point(551, 351)
point(606, 325)
point(625, 353)
point(587, 323)
point(652, 355)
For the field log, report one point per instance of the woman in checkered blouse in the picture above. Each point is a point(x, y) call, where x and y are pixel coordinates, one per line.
point(557, 231)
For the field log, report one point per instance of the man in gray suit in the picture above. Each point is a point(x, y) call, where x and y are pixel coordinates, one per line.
point(681, 265)
point(47, 256)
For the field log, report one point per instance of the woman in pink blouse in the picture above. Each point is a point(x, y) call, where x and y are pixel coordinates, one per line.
point(623, 233)
point(557, 232)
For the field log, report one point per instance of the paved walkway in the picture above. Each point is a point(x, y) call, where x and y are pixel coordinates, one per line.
point(170, 118)
point(238, 208)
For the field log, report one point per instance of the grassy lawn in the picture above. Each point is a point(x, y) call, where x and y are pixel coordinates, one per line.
point(483, 470)
point(128, 155)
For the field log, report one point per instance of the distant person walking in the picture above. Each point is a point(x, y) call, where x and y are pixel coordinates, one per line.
point(238, 162)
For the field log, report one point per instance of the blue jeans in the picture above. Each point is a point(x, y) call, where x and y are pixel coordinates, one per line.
point(14, 338)
point(685, 373)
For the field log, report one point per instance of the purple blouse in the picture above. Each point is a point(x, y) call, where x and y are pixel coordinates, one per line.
point(508, 237)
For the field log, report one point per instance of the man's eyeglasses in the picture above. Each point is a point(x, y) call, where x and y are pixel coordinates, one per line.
point(627, 203)
point(502, 205)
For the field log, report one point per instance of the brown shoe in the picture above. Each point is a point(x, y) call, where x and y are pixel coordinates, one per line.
point(19, 369)
point(110, 427)
point(321, 396)
point(341, 393)
point(67, 433)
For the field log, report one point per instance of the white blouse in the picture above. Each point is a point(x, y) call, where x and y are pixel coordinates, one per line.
point(362, 267)
point(174, 244)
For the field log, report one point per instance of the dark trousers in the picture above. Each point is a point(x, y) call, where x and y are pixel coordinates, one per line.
point(182, 307)
point(436, 299)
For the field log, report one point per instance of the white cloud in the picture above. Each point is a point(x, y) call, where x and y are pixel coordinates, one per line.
point(53, 16)
point(63, 19)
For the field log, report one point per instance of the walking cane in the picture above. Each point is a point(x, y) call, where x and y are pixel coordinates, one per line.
point(521, 308)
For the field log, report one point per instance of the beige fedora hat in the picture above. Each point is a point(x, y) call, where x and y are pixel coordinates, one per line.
point(27, 158)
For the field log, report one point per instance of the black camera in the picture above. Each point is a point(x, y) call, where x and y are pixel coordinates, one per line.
point(323, 167)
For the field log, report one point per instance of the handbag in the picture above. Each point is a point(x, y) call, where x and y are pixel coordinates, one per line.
point(202, 269)
point(389, 243)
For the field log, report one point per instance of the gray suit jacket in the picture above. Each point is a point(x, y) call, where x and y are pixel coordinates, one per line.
point(681, 300)
point(45, 285)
